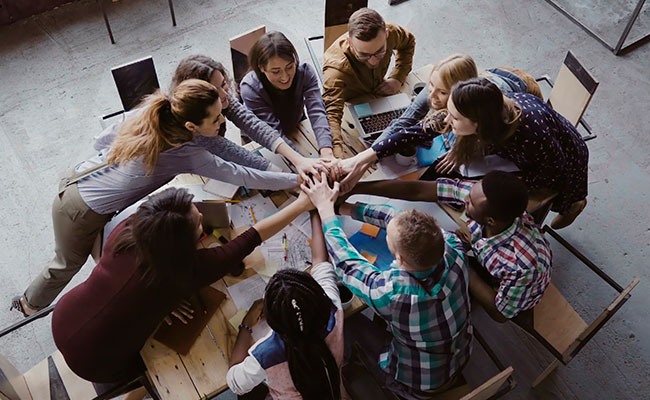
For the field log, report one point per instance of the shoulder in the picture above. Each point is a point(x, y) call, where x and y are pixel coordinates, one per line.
point(269, 351)
point(335, 58)
point(395, 30)
point(250, 82)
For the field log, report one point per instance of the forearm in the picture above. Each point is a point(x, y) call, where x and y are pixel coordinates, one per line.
point(485, 295)
point(399, 189)
point(318, 247)
point(273, 224)
point(288, 153)
point(240, 350)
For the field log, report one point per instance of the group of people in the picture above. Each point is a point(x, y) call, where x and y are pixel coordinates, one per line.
point(150, 262)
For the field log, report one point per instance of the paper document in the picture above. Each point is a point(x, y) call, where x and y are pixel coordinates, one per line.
point(249, 211)
point(223, 189)
point(247, 291)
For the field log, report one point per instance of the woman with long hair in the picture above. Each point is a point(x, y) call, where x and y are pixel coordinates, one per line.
point(149, 266)
point(147, 151)
point(545, 146)
point(279, 88)
point(302, 355)
point(209, 70)
point(424, 118)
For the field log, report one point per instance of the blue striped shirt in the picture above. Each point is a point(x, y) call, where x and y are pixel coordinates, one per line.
point(427, 312)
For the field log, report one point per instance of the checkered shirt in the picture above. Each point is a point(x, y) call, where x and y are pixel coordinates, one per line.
point(519, 257)
point(427, 312)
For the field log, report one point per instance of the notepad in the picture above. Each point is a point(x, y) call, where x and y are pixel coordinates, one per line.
point(370, 230)
point(371, 258)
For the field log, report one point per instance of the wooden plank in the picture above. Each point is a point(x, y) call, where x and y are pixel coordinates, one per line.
point(556, 321)
point(187, 179)
point(490, 387)
point(206, 363)
point(12, 383)
point(167, 372)
point(77, 388)
point(38, 381)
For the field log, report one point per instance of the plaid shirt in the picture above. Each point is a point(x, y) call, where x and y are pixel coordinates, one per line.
point(519, 257)
point(428, 312)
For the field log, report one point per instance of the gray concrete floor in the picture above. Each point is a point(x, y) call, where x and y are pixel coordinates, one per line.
point(55, 83)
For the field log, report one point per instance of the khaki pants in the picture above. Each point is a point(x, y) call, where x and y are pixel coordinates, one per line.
point(76, 227)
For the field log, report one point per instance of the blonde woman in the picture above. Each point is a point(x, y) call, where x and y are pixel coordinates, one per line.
point(424, 119)
point(147, 151)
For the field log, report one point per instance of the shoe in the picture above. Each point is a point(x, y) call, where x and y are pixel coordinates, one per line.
point(566, 219)
point(16, 304)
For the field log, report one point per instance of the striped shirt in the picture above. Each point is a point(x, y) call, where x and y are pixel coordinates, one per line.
point(519, 257)
point(427, 311)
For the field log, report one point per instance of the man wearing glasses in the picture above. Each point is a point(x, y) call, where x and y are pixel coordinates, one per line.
point(357, 62)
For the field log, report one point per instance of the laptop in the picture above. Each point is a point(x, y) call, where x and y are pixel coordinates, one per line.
point(373, 117)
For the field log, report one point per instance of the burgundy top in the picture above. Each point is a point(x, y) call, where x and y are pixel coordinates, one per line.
point(101, 325)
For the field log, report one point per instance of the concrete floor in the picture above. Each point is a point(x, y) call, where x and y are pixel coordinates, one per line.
point(55, 83)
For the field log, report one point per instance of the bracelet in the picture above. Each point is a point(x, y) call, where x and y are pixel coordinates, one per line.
point(248, 328)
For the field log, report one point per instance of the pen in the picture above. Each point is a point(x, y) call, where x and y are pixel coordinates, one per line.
point(252, 214)
point(222, 201)
point(285, 244)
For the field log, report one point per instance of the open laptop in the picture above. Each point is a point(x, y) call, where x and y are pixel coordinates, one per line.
point(373, 117)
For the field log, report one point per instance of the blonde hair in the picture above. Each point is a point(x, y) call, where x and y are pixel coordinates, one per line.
point(451, 70)
point(161, 123)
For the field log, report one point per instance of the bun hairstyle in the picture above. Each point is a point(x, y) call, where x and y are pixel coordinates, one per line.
point(160, 125)
point(297, 308)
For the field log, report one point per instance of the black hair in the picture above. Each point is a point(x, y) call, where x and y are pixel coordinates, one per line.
point(197, 66)
point(271, 44)
point(297, 308)
point(506, 194)
point(163, 235)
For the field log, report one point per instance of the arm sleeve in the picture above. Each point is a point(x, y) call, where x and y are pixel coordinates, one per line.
point(252, 126)
point(316, 109)
point(405, 46)
point(254, 101)
point(362, 278)
point(414, 135)
point(243, 377)
point(229, 151)
point(513, 293)
point(324, 274)
point(333, 89)
point(452, 192)
point(214, 167)
point(376, 214)
point(214, 263)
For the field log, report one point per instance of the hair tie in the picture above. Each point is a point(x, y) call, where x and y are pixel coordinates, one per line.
point(294, 303)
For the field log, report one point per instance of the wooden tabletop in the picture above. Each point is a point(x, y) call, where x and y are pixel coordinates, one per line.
point(202, 372)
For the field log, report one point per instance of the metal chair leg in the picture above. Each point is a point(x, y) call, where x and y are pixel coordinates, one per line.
point(171, 10)
point(108, 26)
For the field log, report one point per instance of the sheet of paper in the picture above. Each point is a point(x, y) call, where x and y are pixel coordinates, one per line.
point(236, 319)
point(247, 291)
point(222, 189)
point(240, 213)
point(303, 224)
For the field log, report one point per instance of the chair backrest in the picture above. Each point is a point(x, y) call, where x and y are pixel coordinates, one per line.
point(12, 382)
point(572, 90)
point(556, 324)
point(490, 387)
point(337, 14)
point(240, 46)
point(135, 80)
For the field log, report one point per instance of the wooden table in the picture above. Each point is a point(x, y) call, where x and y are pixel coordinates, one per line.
point(202, 372)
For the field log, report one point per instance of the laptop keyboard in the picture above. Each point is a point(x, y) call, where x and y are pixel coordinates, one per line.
point(378, 122)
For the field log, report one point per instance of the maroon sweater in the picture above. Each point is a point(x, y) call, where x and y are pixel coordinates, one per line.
point(101, 325)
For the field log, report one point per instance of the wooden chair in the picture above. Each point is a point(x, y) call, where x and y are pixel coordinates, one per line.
point(53, 379)
point(240, 46)
point(337, 14)
point(571, 92)
point(558, 327)
point(108, 25)
point(133, 80)
point(359, 379)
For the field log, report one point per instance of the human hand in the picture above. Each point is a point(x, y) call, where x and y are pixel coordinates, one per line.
point(327, 153)
point(464, 237)
point(305, 202)
point(320, 193)
point(183, 313)
point(447, 163)
point(305, 166)
point(389, 86)
point(353, 169)
point(254, 314)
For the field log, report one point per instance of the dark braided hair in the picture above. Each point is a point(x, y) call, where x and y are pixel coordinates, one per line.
point(297, 308)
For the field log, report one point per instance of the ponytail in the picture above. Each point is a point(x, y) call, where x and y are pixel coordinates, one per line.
point(161, 123)
point(297, 308)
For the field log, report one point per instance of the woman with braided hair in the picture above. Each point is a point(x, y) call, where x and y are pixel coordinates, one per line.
point(302, 355)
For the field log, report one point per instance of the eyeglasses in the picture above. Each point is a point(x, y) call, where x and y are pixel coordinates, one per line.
point(365, 56)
